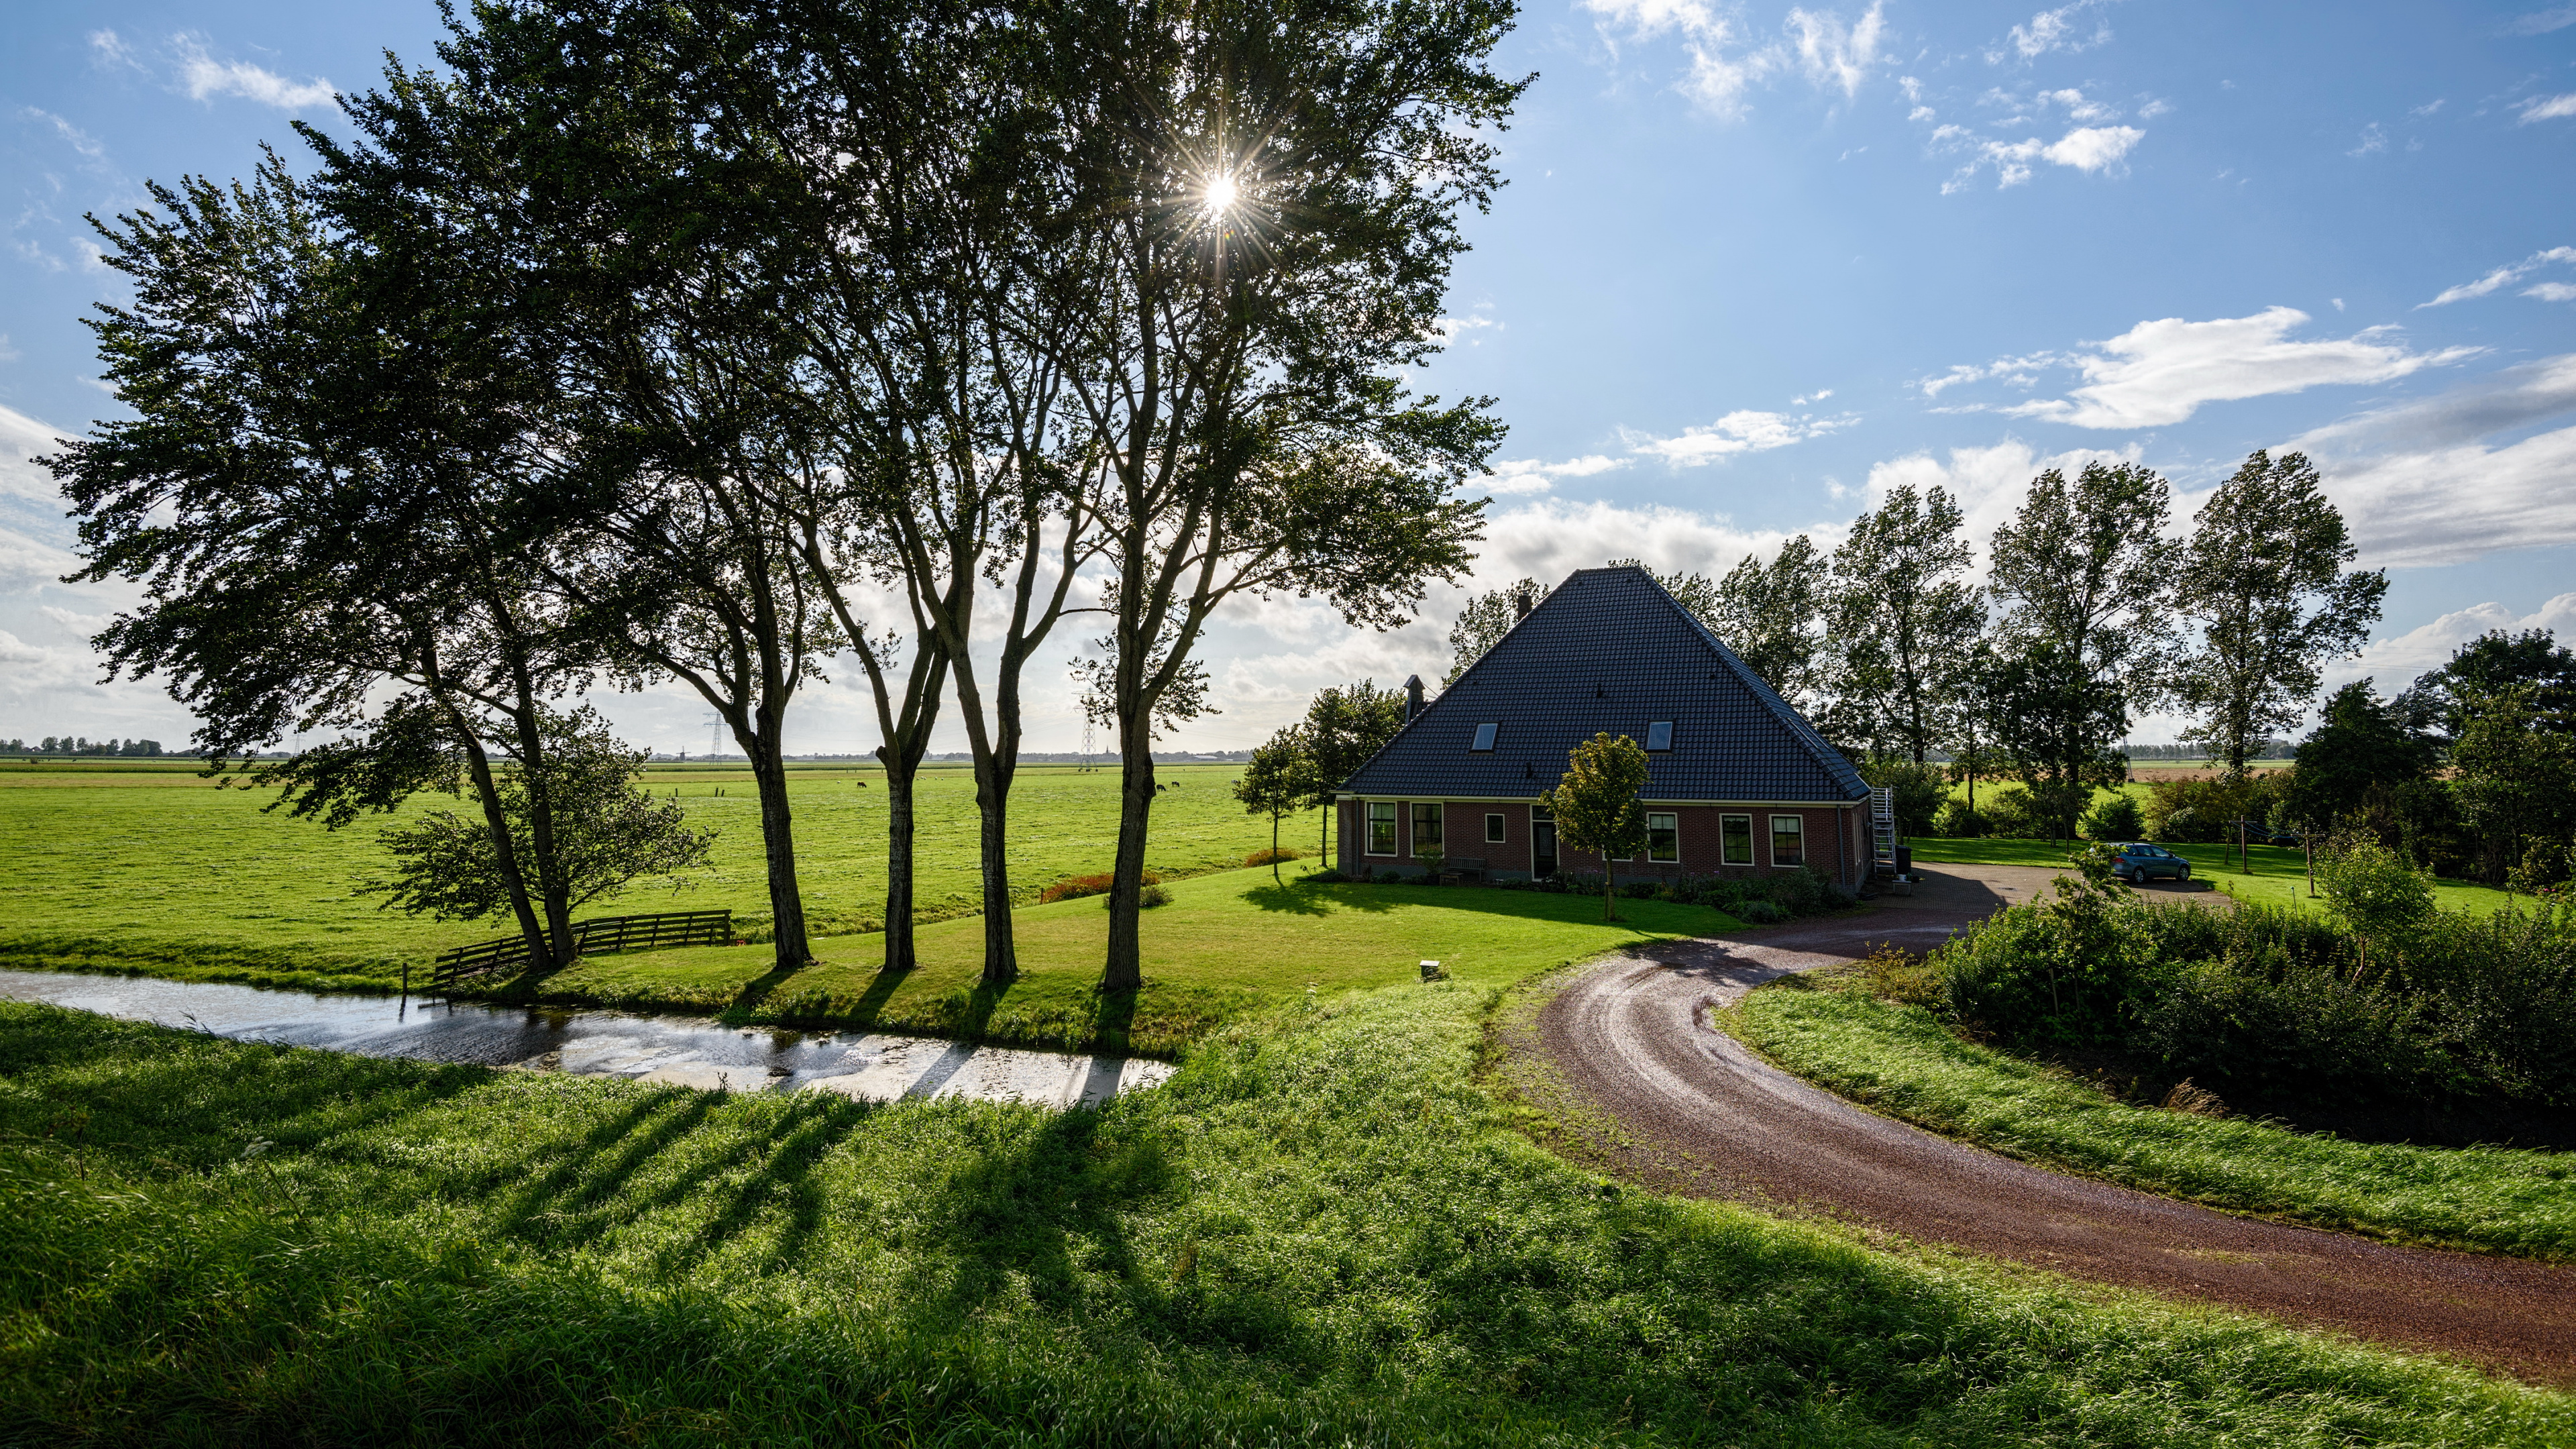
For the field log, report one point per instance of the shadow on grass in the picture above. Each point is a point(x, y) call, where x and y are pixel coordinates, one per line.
point(1306, 900)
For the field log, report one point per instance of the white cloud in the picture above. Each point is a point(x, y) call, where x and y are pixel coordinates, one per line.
point(2503, 276)
point(2546, 291)
point(1742, 431)
point(2541, 22)
point(1529, 475)
point(1988, 483)
point(203, 76)
point(2059, 29)
point(2089, 149)
point(2374, 139)
point(2429, 107)
point(2423, 483)
point(2158, 373)
point(1450, 329)
point(22, 441)
point(1819, 395)
point(2395, 662)
point(2077, 106)
point(2547, 108)
point(1835, 54)
point(109, 49)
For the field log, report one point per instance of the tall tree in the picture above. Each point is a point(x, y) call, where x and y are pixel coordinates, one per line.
point(1905, 617)
point(1771, 614)
point(2514, 774)
point(1484, 619)
point(1270, 192)
point(308, 491)
point(2359, 755)
point(2264, 580)
point(2082, 571)
point(2489, 665)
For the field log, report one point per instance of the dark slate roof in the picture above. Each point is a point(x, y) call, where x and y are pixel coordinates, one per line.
point(1611, 650)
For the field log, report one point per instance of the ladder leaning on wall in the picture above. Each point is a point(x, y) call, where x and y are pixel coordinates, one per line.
point(1882, 828)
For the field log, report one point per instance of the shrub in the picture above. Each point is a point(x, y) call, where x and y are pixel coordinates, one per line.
point(2009, 815)
point(1759, 912)
point(1642, 890)
point(1897, 974)
point(1390, 877)
point(2296, 1030)
point(2377, 896)
point(1152, 896)
point(1958, 822)
point(1076, 887)
point(2116, 817)
point(1267, 856)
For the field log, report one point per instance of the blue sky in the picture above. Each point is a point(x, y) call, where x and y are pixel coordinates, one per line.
point(1755, 265)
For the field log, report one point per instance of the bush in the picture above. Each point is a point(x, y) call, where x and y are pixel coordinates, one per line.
point(1958, 822)
point(2116, 817)
point(1642, 890)
point(1267, 856)
point(1152, 896)
point(1917, 791)
point(2010, 816)
point(1759, 912)
point(1390, 877)
point(1076, 887)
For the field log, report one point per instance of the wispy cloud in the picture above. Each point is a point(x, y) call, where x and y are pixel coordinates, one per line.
point(2160, 372)
point(2068, 27)
point(1530, 475)
point(2506, 276)
point(1726, 60)
point(2089, 149)
point(204, 77)
point(1831, 53)
point(2547, 108)
point(2374, 139)
point(1742, 431)
point(109, 50)
point(2541, 22)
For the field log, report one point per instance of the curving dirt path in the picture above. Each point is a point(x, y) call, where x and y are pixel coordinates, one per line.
point(1631, 1038)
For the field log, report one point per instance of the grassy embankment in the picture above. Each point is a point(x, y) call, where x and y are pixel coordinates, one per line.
point(1832, 1031)
point(1321, 1231)
point(126, 862)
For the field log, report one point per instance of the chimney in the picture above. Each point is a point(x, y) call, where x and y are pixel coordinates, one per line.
point(1412, 697)
point(1520, 603)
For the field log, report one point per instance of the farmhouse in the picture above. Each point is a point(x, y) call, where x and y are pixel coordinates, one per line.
point(1738, 782)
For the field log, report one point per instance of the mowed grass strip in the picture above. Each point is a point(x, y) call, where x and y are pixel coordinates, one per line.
point(2278, 875)
point(155, 869)
point(1902, 1061)
point(1227, 944)
point(1320, 1231)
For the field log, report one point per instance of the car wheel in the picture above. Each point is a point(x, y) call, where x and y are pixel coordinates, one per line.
point(2186, 874)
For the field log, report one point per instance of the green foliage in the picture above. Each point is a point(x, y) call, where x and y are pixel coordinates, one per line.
point(1920, 791)
point(2376, 896)
point(2115, 817)
point(1958, 820)
point(2205, 812)
point(1278, 781)
point(604, 831)
point(1906, 619)
point(1904, 1062)
point(2514, 776)
point(2264, 579)
point(1323, 1229)
point(1484, 619)
point(1596, 802)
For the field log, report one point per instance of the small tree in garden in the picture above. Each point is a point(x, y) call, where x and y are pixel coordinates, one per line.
point(606, 832)
point(2375, 893)
point(1597, 808)
point(1277, 781)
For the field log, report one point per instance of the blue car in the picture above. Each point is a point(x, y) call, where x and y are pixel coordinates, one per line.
point(2149, 862)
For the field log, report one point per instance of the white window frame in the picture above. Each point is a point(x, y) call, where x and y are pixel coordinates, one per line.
point(1673, 822)
point(1798, 828)
point(1392, 818)
point(1495, 831)
point(1722, 857)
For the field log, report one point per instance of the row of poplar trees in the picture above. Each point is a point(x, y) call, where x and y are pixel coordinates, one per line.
point(2093, 607)
point(719, 341)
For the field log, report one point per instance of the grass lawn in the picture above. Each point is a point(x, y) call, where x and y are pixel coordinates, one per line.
point(1831, 1031)
point(2279, 876)
point(1320, 1232)
point(1227, 944)
point(149, 865)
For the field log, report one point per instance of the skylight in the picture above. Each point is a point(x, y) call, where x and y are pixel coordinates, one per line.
point(1485, 736)
point(1659, 735)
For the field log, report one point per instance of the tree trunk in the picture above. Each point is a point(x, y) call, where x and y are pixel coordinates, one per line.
point(513, 877)
point(553, 889)
point(1274, 847)
point(1609, 887)
point(992, 809)
point(1125, 968)
point(899, 769)
point(786, 904)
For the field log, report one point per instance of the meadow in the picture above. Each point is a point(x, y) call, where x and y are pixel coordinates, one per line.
point(157, 867)
point(1323, 1230)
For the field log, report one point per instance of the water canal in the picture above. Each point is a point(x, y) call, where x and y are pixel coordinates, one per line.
point(682, 1051)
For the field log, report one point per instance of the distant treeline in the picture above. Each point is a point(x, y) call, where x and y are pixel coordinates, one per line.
point(81, 745)
point(2260, 750)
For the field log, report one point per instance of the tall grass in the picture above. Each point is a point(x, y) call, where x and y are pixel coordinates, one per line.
point(1319, 1232)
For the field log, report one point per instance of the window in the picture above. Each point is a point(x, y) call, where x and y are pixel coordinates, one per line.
point(1735, 834)
point(1659, 735)
point(1788, 840)
point(1663, 836)
point(1485, 736)
point(1493, 829)
point(1381, 827)
point(1426, 824)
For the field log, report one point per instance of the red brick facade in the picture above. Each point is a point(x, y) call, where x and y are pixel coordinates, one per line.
point(1835, 838)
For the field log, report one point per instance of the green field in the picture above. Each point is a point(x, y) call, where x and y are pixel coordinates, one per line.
point(1898, 1059)
point(1322, 1231)
point(152, 864)
point(2278, 875)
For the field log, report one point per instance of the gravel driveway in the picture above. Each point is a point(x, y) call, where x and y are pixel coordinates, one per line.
point(1699, 1115)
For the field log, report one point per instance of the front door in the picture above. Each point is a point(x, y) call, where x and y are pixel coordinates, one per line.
point(1543, 847)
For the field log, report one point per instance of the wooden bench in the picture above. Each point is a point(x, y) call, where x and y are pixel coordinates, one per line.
point(1459, 867)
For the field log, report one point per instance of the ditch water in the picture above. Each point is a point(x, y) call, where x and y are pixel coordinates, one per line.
point(678, 1051)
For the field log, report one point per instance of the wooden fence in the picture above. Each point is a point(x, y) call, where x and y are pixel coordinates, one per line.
point(596, 936)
